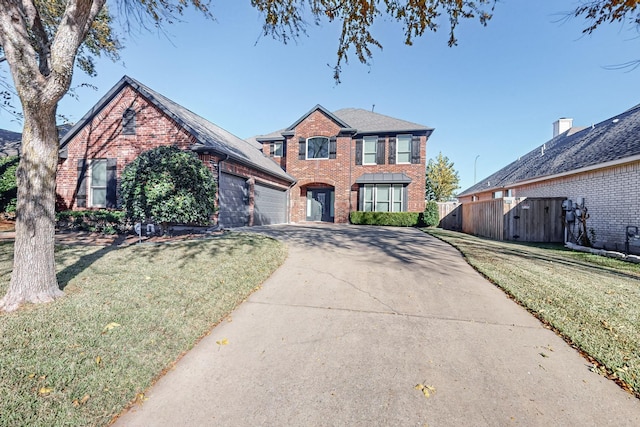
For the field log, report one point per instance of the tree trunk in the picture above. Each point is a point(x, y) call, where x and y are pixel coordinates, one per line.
point(34, 274)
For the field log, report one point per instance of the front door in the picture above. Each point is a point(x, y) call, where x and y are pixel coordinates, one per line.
point(320, 204)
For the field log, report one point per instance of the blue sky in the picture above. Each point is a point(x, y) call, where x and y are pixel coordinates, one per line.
point(495, 95)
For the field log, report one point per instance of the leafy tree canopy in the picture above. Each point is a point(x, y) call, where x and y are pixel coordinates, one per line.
point(442, 179)
point(168, 185)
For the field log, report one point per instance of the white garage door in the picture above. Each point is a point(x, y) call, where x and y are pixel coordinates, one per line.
point(270, 205)
point(233, 198)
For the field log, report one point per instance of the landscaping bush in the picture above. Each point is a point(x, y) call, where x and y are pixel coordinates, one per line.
point(168, 186)
point(8, 186)
point(397, 219)
point(98, 221)
point(431, 215)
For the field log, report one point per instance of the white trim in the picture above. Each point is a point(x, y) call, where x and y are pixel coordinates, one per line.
point(604, 165)
point(90, 186)
point(318, 158)
point(398, 162)
point(585, 169)
point(375, 150)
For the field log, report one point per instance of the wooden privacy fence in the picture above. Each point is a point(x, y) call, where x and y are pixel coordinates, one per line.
point(450, 215)
point(509, 218)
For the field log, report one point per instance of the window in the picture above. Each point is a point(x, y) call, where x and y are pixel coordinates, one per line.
point(370, 144)
point(383, 197)
point(318, 147)
point(98, 183)
point(277, 149)
point(129, 122)
point(403, 149)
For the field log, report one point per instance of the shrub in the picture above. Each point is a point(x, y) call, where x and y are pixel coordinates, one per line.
point(8, 186)
point(431, 215)
point(168, 185)
point(397, 219)
point(99, 221)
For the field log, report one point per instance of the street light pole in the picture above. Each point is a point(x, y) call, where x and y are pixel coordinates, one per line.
point(475, 162)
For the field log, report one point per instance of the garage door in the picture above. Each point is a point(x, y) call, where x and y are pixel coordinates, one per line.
point(270, 205)
point(232, 195)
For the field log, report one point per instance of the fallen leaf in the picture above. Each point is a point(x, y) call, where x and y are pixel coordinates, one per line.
point(32, 375)
point(44, 391)
point(427, 390)
point(77, 403)
point(110, 326)
point(141, 398)
point(223, 341)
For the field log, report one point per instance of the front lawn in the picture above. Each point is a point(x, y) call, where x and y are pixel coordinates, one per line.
point(593, 301)
point(128, 315)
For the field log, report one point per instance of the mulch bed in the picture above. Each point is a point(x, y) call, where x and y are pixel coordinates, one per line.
point(69, 237)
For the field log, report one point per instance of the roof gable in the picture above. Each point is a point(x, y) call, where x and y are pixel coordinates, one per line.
point(209, 136)
point(324, 111)
point(611, 140)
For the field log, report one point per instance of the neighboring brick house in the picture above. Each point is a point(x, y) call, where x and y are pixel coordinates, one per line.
point(130, 119)
point(599, 165)
point(350, 160)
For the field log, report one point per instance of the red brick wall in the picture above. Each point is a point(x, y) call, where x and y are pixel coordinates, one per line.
point(103, 138)
point(342, 172)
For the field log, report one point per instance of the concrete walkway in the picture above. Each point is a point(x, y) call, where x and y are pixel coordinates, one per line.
point(357, 317)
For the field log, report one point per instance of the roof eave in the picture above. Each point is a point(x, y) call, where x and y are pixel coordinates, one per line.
point(200, 148)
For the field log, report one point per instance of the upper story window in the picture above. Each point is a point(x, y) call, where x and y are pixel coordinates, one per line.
point(403, 149)
point(129, 122)
point(369, 152)
point(318, 147)
point(277, 149)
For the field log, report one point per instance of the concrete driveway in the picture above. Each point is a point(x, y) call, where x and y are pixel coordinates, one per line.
point(357, 317)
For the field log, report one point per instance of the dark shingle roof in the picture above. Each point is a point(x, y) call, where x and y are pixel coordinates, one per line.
point(365, 121)
point(612, 140)
point(354, 120)
point(10, 143)
point(209, 136)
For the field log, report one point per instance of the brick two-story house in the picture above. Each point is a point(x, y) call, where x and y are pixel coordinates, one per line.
point(349, 160)
point(320, 168)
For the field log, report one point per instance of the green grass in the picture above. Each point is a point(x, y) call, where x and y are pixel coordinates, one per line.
point(592, 301)
point(60, 364)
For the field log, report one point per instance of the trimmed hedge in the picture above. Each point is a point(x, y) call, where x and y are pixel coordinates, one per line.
point(431, 217)
point(396, 219)
point(98, 221)
point(8, 186)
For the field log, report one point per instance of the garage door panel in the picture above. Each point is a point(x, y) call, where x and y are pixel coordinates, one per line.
point(270, 205)
point(232, 195)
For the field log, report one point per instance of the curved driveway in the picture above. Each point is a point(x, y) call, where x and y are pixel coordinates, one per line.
point(357, 317)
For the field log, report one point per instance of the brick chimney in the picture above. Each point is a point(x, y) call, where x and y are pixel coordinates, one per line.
point(561, 125)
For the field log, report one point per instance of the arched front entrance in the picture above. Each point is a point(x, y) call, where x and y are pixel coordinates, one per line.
point(320, 204)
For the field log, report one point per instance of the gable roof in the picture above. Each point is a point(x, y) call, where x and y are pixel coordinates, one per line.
point(320, 108)
point(611, 141)
point(365, 121)
point(352, 120)
point(209, 136)
point(10, 143)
